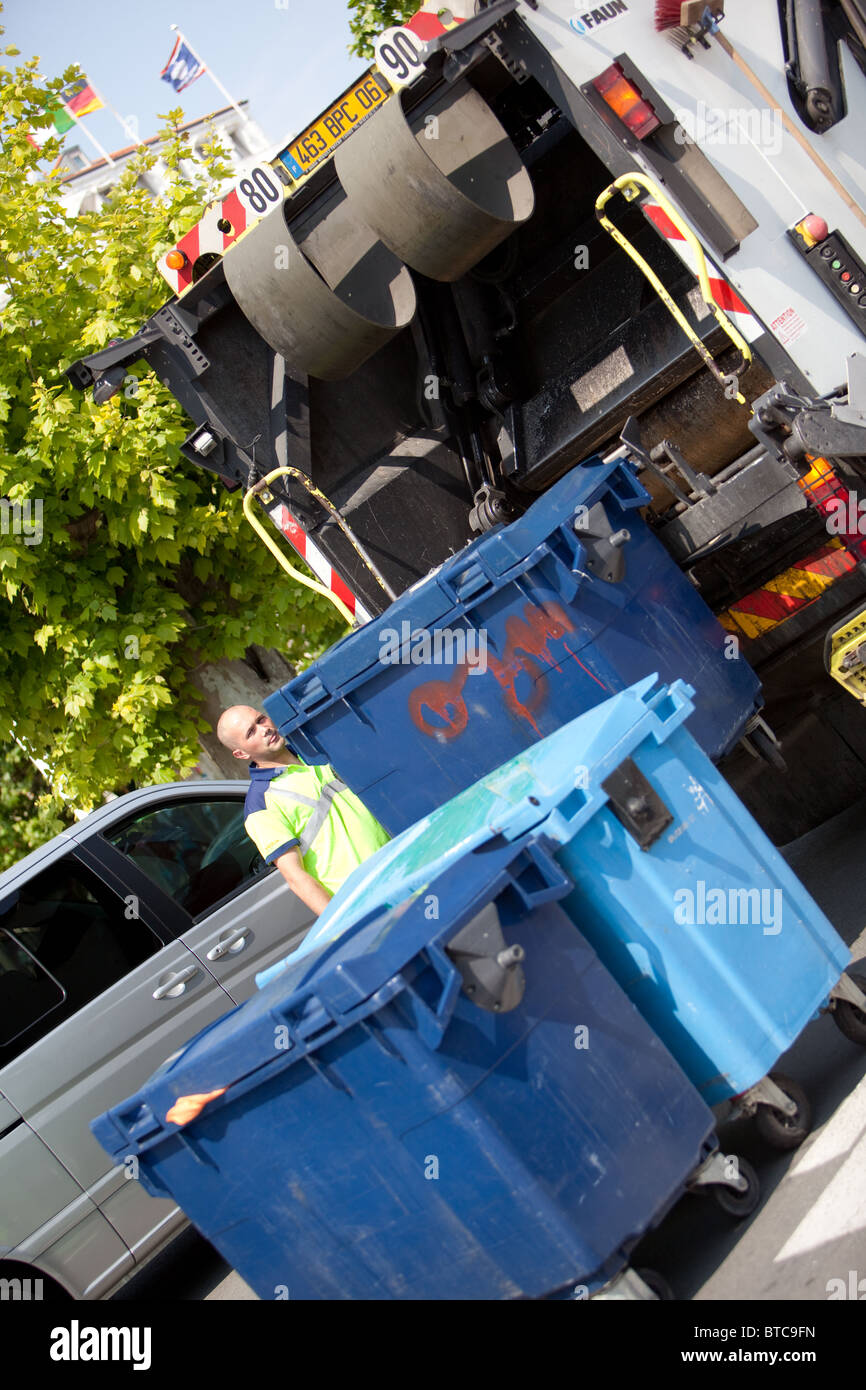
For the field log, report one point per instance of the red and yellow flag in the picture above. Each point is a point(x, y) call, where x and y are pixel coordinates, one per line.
point(78, 99)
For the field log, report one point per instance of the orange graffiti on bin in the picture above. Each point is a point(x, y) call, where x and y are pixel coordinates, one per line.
point(443, 698)
point(527, 639)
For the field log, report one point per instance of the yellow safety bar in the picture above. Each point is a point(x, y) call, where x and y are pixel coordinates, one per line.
point(260, 531)
point(630, 185)
point(845, 654)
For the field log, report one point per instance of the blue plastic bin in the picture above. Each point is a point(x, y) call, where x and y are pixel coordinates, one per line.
point(388, 1133)
point(703, 924)
point(551, 619)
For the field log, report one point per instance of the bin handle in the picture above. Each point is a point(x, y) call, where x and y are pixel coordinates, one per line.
point(314, 693)
point(465, 587)
point(328, 949)
point(432, 1024)
point(556, 882)
point(626, 487)
point(630, 185)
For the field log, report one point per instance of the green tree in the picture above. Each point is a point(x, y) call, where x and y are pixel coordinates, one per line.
point(370, 17)
point(122, 567)
point(29, 813)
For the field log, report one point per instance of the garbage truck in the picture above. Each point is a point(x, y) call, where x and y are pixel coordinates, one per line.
point(534, 233)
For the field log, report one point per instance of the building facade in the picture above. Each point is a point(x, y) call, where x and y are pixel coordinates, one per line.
point(89, 181)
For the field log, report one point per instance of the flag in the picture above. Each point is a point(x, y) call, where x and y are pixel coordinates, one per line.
point(78, 99)
point(182, 68)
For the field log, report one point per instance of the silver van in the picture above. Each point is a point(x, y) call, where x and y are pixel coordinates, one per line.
point(119, 941)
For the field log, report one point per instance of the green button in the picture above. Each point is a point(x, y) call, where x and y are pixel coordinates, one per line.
point(836, 264)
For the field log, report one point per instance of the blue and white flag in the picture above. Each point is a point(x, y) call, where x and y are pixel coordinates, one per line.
point(182, 68)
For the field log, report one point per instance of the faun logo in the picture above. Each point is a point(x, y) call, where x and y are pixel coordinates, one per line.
point(586, 23)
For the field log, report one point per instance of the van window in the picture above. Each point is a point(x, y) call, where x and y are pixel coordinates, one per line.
point(75, 939)
point(197, 852)
point(27, 992)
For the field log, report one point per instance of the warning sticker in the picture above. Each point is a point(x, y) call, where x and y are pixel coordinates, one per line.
point(788, 327)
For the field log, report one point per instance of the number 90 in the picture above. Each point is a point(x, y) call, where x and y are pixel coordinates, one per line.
point(399, 54)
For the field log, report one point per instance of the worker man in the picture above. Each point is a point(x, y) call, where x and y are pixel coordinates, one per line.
point(303, 819)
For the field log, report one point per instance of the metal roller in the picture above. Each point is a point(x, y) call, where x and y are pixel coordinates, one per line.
point(444, 195)
point(325, 303)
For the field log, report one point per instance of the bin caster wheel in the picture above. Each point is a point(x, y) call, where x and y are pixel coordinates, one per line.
point(848, 1018)
point(657, 1283)
point(767, 748)
point(739, 1204)
point(780, 1130)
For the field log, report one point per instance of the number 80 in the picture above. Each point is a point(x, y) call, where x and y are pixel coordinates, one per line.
point(258, 190)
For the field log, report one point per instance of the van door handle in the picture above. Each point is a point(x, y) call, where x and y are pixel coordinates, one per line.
point(175, 984)
point(223, 947)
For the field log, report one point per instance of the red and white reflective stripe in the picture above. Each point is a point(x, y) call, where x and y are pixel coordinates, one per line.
point(723, 291)
point(318, 563)
point(206, 236)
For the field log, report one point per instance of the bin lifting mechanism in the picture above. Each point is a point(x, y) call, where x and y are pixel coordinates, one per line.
point(630, 186)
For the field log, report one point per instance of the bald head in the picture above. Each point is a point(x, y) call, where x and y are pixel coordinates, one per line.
point(234, 723)
point(249, 733)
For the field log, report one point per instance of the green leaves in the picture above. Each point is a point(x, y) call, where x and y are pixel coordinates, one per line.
point(29, 814)
point(369, 17)
point(145, 568)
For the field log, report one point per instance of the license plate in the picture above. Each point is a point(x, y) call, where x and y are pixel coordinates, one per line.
point(317, 142)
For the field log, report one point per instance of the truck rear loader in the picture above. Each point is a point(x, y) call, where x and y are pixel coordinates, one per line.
point(534, 232)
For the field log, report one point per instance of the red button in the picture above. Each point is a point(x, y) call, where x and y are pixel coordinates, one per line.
point(846, 275)
point(815, 226)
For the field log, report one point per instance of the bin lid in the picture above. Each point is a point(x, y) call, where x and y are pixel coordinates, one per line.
point(446, 592)
point(320, 995)
point(350, 965)
point(564, 769)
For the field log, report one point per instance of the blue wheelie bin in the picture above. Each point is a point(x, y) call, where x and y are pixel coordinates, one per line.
point(508, 640)
point(688, 904)
point(453, 1105)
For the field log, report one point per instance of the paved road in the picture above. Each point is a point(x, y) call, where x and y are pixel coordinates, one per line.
point(811, 1224)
